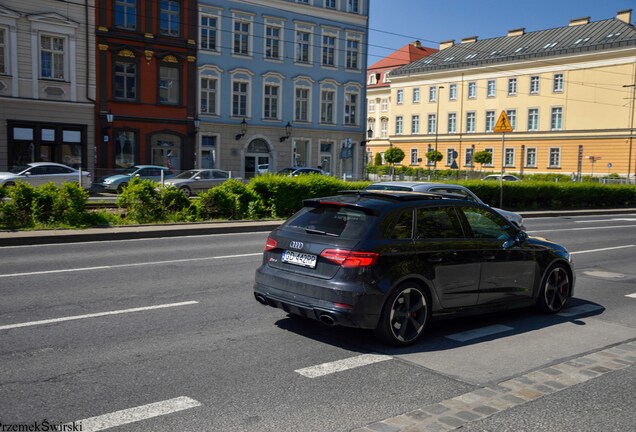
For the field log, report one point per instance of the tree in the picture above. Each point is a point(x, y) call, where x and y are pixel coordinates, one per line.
point(378, 159)
point(392, 156)
point(483, 157)
point(434, 156)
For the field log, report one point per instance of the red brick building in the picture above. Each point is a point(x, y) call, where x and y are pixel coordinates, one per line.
point(146, 78)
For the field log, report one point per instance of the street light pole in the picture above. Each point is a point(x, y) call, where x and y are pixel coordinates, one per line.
point(436, 127)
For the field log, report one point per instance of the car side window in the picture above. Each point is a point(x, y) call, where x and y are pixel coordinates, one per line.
point(220, 174)
point(403, 227)
point(486, 225)
point(37, 170)
point(437, 222)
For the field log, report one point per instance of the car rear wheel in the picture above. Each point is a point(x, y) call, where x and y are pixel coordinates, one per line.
point(186, 191)
point(405, 315)
point(121, 187)
point(555, 289)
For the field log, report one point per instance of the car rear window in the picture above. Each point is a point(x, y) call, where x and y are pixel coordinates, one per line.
point(333, 221)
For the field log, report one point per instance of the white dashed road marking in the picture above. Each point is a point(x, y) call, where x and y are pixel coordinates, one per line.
point(95, 315)
point(479, 333)
point(132, 415)
point(603, 249)
point(631, 295)
point(342, 365)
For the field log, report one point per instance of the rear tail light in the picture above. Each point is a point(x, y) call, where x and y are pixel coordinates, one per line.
point(350, 259)
point(270, 244)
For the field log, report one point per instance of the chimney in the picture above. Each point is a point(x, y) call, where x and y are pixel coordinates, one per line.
point(446, 44)
point(579, 21)
point(625, 16)
point(469, 39)
point(517, 32)
point(417, 44)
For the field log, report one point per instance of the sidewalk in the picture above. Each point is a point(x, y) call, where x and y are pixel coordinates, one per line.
point(21, 238)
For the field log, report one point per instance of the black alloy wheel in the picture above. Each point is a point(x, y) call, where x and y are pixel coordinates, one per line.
point(186, 191)
point(555, 289)
point(405, 315)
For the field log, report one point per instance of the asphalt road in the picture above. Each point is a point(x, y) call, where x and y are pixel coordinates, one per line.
point(164, 335)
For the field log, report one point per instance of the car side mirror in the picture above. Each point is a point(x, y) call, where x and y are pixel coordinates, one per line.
point(28, 173)
point(137, 175)
point(197, 178)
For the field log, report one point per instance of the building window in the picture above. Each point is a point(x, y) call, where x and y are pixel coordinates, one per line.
point(432, 123)
point(534, 85)
point(271, 100)
point(414, 156)
point(509, 158)
point(450, 156)
point(354, 6)
point(272, 42)
point(470, 122)
point(371, 106)
point(472, 90)
point(432, 94)
point(512, 118)
point(555, 157)
point(330, 4)
point(126, 14)
point(169, 17)
point(125, 148)
point(241, 38)
point(415, 124)
point(452, 122)
point(452, 92)
point(327, 103)
point(492, 156)
point(351, 109)
point(209, 32)
point(469, 156)
point(302, 104)
point(384, 128)
point(531, 157)
point(52, 57)
point(492, 88)
point(512, 86)
point(302, 46)
point(557, 118)
point(557, 83)
point(416, 95)
point(329, 50)
point(490, 121)
point(240, 95)
point(125, 87)
point(373, 79)
point(399, 96)
point(169, 85)
point(3, 47)
point(533, 119)
point(399, 125)
point(384, 107)
point(209, 95)
point(353, 54)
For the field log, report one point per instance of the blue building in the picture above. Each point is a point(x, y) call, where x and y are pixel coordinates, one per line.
point(281, 83)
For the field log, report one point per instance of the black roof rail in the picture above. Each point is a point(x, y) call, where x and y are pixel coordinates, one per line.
point(393, 195)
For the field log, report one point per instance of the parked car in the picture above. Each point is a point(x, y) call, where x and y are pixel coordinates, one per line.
point(192, 182)
point(39, 173)
point(293, 172)
point(443, 188)
point(506, 177)
point(262, 169)
point(392, 260)
point(116, 183)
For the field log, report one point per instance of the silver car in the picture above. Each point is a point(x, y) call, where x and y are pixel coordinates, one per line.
point(445, 189)
point(192, 182)
point(40, 173)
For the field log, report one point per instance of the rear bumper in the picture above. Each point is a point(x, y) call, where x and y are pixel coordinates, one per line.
point(317, 299)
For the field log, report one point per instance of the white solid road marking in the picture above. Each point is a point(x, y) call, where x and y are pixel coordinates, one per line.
point(95, 315)
point(606, 220)
point(342, 365)
point(603, 249)
point(128, 265)
point(578, 310)
point(631, 295)
point(479, 333)
point(131, 415)
point(580, 229)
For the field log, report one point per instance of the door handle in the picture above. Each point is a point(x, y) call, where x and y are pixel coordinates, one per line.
point(489, 257)
point(434, 259)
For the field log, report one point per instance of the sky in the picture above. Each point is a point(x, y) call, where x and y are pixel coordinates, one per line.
point(395, 23)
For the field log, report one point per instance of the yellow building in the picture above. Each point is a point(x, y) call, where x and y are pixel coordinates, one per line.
point(568, 94)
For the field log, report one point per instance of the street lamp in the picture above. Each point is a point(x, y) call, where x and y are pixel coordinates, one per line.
point(364, 151)
point(243, 130)
point(436, 125)
point(110, 118)
point(288, 131)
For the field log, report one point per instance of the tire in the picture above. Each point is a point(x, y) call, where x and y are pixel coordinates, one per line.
point(186, 191)
point(555, 289)
point(121, 187)
point(405, 315)
point(9, 184)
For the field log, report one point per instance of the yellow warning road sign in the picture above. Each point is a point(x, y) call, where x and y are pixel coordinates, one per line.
point(503, 124)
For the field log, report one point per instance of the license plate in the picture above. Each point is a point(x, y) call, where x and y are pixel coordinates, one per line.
point(298, 258)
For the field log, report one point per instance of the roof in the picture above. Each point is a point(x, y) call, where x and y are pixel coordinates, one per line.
point(602, 35)
point(405, 55)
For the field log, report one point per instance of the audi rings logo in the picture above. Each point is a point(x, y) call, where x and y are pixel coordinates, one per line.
point(296, 245)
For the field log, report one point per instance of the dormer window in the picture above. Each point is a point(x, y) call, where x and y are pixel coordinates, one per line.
point(550, 45)
point(470, 56)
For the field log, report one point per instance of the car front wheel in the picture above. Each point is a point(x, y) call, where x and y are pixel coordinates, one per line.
point(405, 315)
point(555, 289)
point(186, 191)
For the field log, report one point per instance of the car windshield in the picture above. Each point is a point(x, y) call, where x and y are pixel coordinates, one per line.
point(130, 170)
point(187, 174)
point(18, 169)
point(332, 221)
